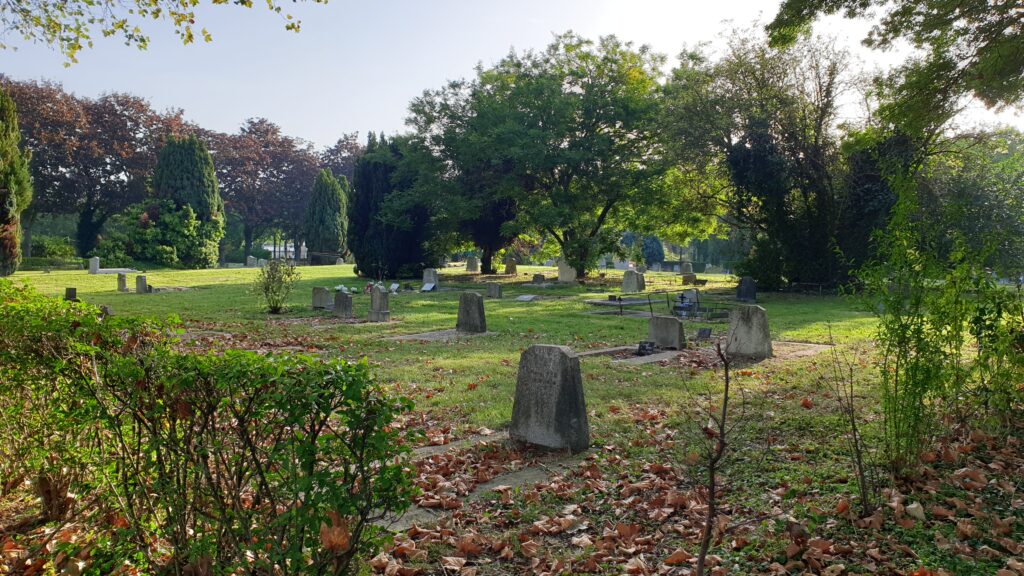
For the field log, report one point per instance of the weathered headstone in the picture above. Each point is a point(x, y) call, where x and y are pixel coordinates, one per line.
point(687, 268)
point(538, 279)
point(471, 314)
point(122, 282)
point(379, 311)
point(322, 299)
point(656, 267)
point(342, 304)
point(746, 291)
point(602, 262)
point(689, 279)
point(428, 287)
point(250, 261)
point(566, 273)
point(526, 298)
point(510, 264)
point(94, 265)
point(549, 408)
point(141, 287)
point(633, 281)
point(666, 332)
point(261, 263)
point(393, 288)
point(703, 334)
point(473, 265)
point(494, 290)
point(430, 277)
point(71, 294)
point(749, 335)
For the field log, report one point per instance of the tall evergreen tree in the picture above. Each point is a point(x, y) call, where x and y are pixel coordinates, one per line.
point(184, 175)
point(327, 218)
point(15, 186)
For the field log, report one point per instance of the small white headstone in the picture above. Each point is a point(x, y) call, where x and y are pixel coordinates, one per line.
point(94, 265)
point(428, 287)
point(526, 298)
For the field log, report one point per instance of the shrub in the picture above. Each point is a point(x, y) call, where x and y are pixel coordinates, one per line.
point(15, 186)
point(274, 283)
point(212, 464)
point(52, 247)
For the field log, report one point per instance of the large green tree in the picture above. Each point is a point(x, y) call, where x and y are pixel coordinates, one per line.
point(15, 186)
point(327, 218)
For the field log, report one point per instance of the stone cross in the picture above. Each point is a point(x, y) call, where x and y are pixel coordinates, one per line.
point(494, 290)
point(666, 332)
point(749, 335)
point(342, 304)
point(471, 314)
point(122, 282)
point(633, 281)
point(746, 291)
point(94, 265)
point(549, 409)
point(379, 311)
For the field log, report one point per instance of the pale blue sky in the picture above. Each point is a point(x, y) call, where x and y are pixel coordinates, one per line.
point(356, 65)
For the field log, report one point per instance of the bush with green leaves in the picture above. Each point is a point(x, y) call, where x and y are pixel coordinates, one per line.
point(162, 233)
point(44, 246)
point(204, 463)
point(274, 282)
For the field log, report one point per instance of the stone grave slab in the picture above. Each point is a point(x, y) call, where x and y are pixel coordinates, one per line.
point(526, 298)
point(749, 335)
point(549, 409)
point(666, 332)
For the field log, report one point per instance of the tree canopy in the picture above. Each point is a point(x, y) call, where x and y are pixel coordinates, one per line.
point(15, 186)
point(327, 218)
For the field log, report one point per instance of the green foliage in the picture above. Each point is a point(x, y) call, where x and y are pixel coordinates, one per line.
point(15, 186)
point(327, 218)
point(238, 461)
point(52, 247)
point(274, 283)
point(184, 174)
point(161, 233)
point(387, 247)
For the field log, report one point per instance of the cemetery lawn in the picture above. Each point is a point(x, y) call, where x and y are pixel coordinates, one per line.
point(632, 503)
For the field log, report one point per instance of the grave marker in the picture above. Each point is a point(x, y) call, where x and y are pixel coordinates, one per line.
point(71, 294)
point(473, 265)
point(343, 305)
point(749, 335)
point(666, 332)
point(471, 314)
point(526, 298)
point(633, 281)
point(322, 299)
point(689, 279)
point(566, 273)
point(549, 409)
point(379, 311)
point(510, 265)
point(687, 268)
point(538, 279)
point(94, 265)
point(494, 290)
point(122, 282)
point(746, 291)
point(430, 278)
point(141, 287)
point(250, 261)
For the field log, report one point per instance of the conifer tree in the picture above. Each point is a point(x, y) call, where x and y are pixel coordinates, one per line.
point(15, 186)
point(327, 218)
point(184, 173)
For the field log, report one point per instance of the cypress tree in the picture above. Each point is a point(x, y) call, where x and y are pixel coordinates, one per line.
point(15, 186)
point(184, 173)
point(327, 218)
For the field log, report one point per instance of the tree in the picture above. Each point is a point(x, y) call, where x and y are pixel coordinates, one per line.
point(341, 158)
point(387, 246)
point(971, 47)
point(69, 26)
point(327, 218)
point(567, 134)
point(15, 186)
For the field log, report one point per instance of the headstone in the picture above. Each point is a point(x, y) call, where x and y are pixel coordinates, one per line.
point(646, 348)
point(675, 267)
point(703, 334)
point(342, 304)
point(71, 294)
point(656, 267)
point(566, 273)
point(641, 268)
point(602, 262)
point(510, 264)
point(322, 299)
point(749, 335)
point(473, 265)
point(428, 287)
point(549, 408)
point(122, 282)
point(747, 290)
point(633, 281)
point(140, 285)
point(471, 314)
point(261, 263)
point(379, 311)
point(526, 298)
point(666, 332)
point(94, 265)
point(250, 261)
point(393, 288)
point(687, 268)
point(339, 261)
point(689, 279)
point(494, 290)
point(430, 277)
point(538, 279)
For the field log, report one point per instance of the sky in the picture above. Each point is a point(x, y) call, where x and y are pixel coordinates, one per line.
point(355, 65)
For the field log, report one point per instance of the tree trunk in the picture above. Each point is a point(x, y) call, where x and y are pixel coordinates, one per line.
point(247, 234)
point(88, 230)
point(27, 220)
point(487, 260)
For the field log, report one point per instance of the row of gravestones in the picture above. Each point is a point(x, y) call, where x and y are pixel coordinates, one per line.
point(471, 318)
point(473, 265)
point(550, 410)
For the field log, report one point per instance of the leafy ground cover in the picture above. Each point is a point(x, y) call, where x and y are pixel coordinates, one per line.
point(634, 503)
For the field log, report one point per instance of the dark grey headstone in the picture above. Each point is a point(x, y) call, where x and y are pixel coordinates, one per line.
point(703, 334)
point(633, 281)
point(471, 314)
point(749, 335)
point(472, 265)
point(549, 408)
point(140, 285)
point(666, 332)
point(379, 310)
point(71, 294)
point(122, 282)
point(746, 291)
point(687, 268)
point(689, 279)
point(538, 279)
point(342, 304)
point(494, 290)
point(646, 348)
